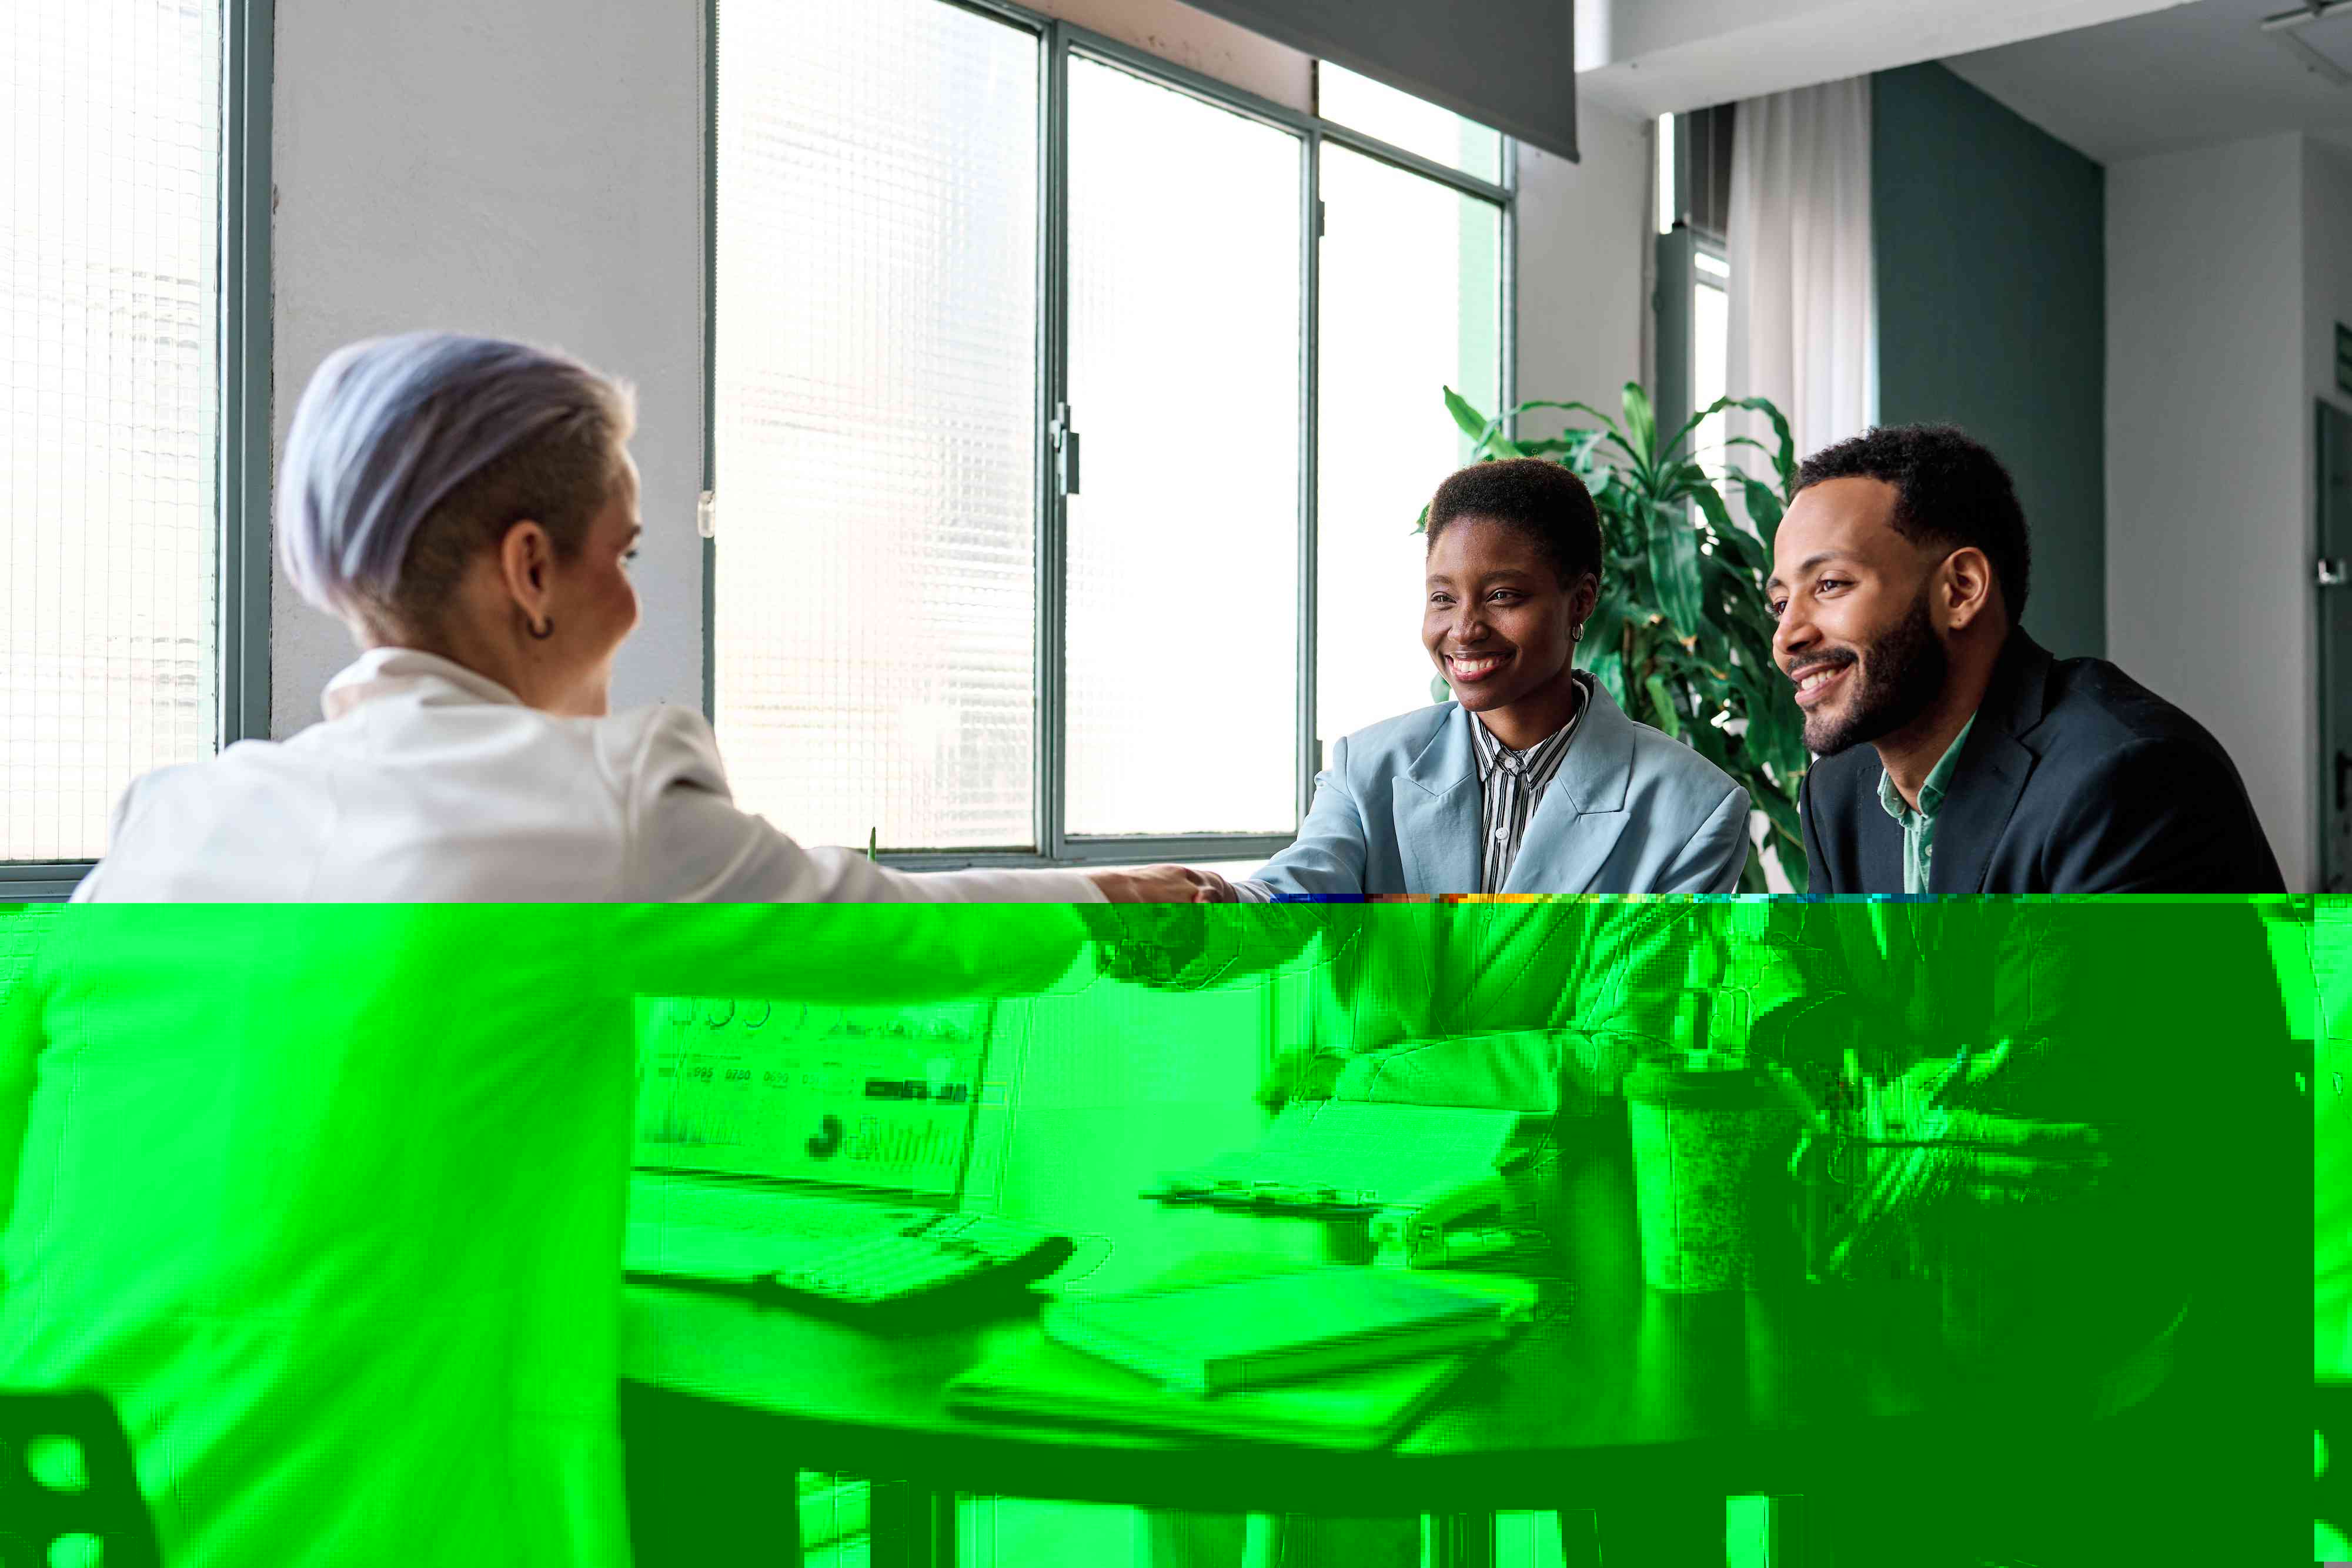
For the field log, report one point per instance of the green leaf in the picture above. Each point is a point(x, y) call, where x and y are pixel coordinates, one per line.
point(1608, 667)
point(1607, 621)
point(1763, 507)
point(1739, 548)
point(1784, 460)
point(1708, 742)
point(1641, 424)
point(1775, 737)
point(1609, 433)
point(1693, 422)
point(1675, 481)
point(1712, 505)
point(1609, 425)
point(1421, 523)
point(1782, 812)
point(1473, 423)
point(1674, 563)
point(1661, 707)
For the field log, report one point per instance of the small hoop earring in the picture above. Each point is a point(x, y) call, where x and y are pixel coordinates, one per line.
point(1577, 636)
point(546, 629)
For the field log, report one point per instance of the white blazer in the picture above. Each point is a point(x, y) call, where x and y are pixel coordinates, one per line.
point(429, 783)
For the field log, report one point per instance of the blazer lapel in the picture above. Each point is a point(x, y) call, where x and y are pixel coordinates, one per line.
point(1994, 769)
point(1438, 806)
point(1878, 849)
point(1576, 824)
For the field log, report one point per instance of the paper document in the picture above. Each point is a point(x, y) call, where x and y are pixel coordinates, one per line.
point(1345, 1151)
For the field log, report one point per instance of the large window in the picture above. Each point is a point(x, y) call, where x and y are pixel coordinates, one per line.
point(1694, 190)
point(1185, 327)
point(121, 244)
point(1026, 348)
point(874, 601)
point(1412, 302)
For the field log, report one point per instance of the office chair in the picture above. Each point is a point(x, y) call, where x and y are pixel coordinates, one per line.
point(65, 1476)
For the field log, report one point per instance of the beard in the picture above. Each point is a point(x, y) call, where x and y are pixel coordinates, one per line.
point(1903, 670)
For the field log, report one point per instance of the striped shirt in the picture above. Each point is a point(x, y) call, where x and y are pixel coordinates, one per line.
point(1514, 782)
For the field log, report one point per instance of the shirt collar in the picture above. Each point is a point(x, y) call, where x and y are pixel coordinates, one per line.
point(1489, 749)
point(1938, 782)
point(388, 672)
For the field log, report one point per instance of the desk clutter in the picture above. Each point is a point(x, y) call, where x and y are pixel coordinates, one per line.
point(834, 1255)
point(1243, 1346)
point(1427, 1177)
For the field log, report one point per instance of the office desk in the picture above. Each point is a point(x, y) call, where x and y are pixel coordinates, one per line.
point(1618, 1395)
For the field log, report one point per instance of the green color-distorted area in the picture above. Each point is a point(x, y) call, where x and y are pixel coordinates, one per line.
point(330, 1199)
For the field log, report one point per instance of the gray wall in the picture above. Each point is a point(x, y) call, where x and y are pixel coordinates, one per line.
point(528, 169)
point(1992, 315)
point(2223, 283)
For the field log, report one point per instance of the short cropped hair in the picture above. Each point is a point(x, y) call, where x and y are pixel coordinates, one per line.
point(1950, 492)
point(1543, 501)
point(409, 456)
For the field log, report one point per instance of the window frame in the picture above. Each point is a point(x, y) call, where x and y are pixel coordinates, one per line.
point(242, 450)
point(1059, 41)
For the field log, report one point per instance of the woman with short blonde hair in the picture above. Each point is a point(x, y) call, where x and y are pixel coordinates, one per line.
point(468, 508)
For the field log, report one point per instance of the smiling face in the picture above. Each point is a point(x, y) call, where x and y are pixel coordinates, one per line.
point(1497, 619)
point(1857, 633)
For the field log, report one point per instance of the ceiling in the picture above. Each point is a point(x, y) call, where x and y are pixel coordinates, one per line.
point(2189, 76)
point(1644, 57)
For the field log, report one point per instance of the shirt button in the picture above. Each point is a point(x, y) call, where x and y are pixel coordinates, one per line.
point(1502, 834)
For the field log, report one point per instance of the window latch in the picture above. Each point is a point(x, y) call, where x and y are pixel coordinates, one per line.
point(1065, 442)
point(706, 515)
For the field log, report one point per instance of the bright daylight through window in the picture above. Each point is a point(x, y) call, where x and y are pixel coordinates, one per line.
point(907, 605)
point(108, 407)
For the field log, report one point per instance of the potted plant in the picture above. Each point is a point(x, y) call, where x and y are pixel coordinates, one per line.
point(1682, 636)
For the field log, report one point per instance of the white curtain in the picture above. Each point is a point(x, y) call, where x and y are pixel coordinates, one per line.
point(1804, 316)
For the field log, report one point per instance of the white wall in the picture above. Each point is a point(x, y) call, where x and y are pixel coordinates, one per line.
point(2209, 459)
point(529, 169)
point(532, 169)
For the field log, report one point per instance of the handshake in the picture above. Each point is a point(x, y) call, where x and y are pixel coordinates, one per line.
point(1163, 884)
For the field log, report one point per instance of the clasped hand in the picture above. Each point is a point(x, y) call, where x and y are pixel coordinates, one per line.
point(1163, 884)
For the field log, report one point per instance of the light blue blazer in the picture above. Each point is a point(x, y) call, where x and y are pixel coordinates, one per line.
point(1630, 810)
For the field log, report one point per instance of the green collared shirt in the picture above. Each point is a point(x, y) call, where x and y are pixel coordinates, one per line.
point(1919, 826)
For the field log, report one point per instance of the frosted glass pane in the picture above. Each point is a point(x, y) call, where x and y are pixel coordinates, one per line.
point(1412, 304)
point(874, 621)
point(1404, 121)
point(1183, 539)
point(109, 304)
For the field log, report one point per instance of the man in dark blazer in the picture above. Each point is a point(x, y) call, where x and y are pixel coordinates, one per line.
point(1899, 576)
